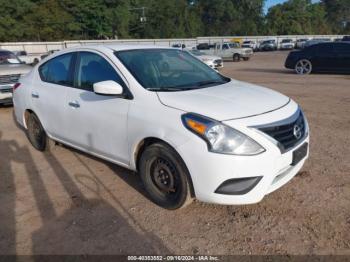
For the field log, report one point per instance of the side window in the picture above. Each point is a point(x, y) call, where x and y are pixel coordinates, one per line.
point(93, 68)
point(342, 48)
point(58, 70)
point(325, 48)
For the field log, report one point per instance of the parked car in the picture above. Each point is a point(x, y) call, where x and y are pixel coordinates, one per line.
point(299, 44)
point(48, 53)
point(11, 68)
point(215, 62)
point(287, 44)
point(179, 46)
point(346, 38)
point(28, 59)
point(268, 45)
point(316, 41)
point(187, 130)
point(323, 57)
point(250, 44)
point(228, 51)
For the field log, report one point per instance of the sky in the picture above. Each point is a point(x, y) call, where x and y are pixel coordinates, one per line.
point(270, 3)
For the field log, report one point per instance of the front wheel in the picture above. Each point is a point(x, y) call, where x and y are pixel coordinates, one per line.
point(165, 176)
point(303, 67)
point(236, 57)
point(37, 135)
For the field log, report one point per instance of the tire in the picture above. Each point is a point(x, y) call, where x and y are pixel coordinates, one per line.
point(246, 58)
point(236, 58)
point(165, 177)
point(37, 135)
point(303, 67)
point(36, 61)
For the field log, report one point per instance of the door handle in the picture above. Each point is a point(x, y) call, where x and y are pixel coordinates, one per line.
point(35, 95)
point(74, 104)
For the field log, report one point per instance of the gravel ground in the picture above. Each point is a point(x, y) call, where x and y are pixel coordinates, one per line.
point(70, 203)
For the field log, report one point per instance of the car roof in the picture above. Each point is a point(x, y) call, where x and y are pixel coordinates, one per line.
point(124, 47)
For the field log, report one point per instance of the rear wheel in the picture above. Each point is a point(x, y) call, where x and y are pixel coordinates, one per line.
point(303, 67)
point(165, 176)
point(37, 135)
point(236, 57)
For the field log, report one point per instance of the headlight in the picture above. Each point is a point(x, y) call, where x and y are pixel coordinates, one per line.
point(221, 138)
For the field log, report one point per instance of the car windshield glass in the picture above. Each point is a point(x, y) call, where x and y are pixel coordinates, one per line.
point(269, 42)
point(286, 41)
point(169, 70)
point(234, 45)
point(8, 58)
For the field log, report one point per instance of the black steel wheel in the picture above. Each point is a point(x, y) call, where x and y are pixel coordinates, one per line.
point(165, 177)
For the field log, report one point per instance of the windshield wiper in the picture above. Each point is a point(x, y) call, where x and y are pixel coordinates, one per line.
point(164, 89)
point(210, 82)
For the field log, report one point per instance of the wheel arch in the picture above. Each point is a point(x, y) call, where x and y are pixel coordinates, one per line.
point(27, 113)
point(148, 141)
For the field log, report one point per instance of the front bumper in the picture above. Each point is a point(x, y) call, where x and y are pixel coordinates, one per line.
point(215, 64)
point(6, 93)
point(211, 170)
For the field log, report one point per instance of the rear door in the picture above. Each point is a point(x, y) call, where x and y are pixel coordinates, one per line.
point(324, 58)
point(97, 123)
point(50, 90)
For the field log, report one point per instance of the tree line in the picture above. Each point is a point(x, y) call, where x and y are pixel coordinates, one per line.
point(50, 20)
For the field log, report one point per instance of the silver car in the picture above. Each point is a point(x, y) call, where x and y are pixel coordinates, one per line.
point(11, 68)
point(215, 62)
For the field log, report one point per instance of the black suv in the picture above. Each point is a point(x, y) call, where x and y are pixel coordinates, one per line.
point(323, 57)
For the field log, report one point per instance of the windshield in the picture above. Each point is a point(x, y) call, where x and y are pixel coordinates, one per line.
point(8, 58)
point(169, 70)
point(234, 45)
point(269, 42)
point(286, 40)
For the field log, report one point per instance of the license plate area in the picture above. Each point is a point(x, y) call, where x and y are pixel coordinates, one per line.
point(300, 154)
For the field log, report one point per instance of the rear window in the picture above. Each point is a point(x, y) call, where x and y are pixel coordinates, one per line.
point(58, 70)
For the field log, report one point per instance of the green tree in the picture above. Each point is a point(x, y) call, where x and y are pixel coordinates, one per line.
point(338, 15)
point(296, 17)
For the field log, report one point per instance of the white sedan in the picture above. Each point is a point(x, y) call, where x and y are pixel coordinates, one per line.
point(189, 131)
point(215, 62)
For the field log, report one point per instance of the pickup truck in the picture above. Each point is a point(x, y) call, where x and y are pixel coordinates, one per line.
point(28, 59)
point(228, 51)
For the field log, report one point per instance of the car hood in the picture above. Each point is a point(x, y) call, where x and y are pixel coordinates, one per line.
point(209, 57)
point(15, 69)
point(232, 100)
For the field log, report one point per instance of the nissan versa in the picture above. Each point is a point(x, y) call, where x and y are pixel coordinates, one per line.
point(189, 131)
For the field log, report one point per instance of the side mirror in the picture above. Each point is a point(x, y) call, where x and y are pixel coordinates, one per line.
point(109, 87)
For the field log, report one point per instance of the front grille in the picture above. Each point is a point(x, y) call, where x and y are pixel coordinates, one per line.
point(7, 90)
point(9, 79)
point(287, 135)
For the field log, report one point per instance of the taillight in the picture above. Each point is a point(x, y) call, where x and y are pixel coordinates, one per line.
point(16, 86)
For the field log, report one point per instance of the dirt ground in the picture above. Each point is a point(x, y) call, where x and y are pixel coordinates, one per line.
point(71, 203)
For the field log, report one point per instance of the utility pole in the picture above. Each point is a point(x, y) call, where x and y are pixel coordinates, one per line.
point(143, 18)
